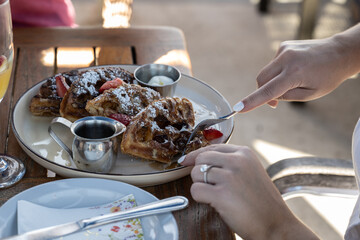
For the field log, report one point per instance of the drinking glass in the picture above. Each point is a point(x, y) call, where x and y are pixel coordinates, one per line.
point(11, 169)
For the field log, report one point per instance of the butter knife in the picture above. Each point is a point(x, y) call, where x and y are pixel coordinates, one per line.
point(157, 207)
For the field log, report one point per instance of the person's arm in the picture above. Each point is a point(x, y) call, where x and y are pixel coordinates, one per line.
point(243, 194)
point(306, 70)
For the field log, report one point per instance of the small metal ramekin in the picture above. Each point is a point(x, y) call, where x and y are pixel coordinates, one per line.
point(144, 73)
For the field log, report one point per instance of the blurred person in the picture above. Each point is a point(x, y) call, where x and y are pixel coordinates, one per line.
point(250, 204)
point(42, 13)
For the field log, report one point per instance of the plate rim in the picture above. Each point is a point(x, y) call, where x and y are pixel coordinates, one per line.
point(97, 173)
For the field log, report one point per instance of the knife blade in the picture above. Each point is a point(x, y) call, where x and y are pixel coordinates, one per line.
point(157, 207)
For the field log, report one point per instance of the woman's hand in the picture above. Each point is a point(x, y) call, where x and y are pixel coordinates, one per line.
point(243, 194)
point(306, 70)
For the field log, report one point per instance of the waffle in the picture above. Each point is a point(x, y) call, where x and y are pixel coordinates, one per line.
point(127, 99)
point(72, 106)
point(47, 102)
point(161, 131)
point(84, 85)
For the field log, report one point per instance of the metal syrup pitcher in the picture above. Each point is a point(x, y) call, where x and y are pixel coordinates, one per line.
point(95, 143)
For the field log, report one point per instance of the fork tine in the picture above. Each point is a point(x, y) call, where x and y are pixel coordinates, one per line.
point(208, 123)
point(205, 124)
point(201, 126)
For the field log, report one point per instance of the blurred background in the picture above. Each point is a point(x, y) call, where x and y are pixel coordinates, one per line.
point(229, 42)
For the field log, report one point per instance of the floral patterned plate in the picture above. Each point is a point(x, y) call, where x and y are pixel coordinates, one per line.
point(84, 193)
point(28, 219)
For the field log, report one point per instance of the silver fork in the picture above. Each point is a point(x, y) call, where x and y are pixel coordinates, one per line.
point(207, 123)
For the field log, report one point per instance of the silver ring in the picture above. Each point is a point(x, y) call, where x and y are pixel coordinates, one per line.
point(205, 169)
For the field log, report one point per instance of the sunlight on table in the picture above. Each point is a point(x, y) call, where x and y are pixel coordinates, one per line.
point(335, 212)
point(326, 207)
point(272, 152)
point(48, 57)
point(68, 57)
point(75, 57)
point(177, 58)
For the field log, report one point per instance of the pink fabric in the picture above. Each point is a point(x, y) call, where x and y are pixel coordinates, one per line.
point(42, 13)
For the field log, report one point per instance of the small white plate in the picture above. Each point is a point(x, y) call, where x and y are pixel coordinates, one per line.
point(87, 192)
point(33, 137)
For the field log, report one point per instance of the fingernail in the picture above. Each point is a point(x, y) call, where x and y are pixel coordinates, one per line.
point(273, 104)
point(239, 106)
point(273, 107)
point(181, 159)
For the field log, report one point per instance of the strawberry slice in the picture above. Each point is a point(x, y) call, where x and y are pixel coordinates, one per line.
point(212, 133)
point(111, 84)
point(123, 118)
point(61, 86)
point(3, 63)
point(2, 60)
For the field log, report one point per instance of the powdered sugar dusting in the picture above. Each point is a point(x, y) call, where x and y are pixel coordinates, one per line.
point(160, 107)
point(151, 112)
point(86, 84)
point(154, 127)
point(167, 125)
point(131, 101)
point(173, 130)
point(90, 79)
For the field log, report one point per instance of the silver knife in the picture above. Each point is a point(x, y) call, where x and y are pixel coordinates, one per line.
point(157, 207)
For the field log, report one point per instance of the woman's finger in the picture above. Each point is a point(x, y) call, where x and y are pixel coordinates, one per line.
point(270, 91)
point(213, 175)
point(269, 72)
point(202, 192)
point(189, 159)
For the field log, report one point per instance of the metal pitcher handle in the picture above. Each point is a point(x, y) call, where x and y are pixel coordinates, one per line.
point(65, 122)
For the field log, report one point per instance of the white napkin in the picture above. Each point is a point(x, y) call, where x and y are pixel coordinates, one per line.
point(32, 216)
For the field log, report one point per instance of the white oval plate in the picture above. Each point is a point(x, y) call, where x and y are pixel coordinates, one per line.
point(32, 135)
point(87, 192)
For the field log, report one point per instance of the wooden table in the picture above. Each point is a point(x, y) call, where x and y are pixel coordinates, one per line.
point(41, 52)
